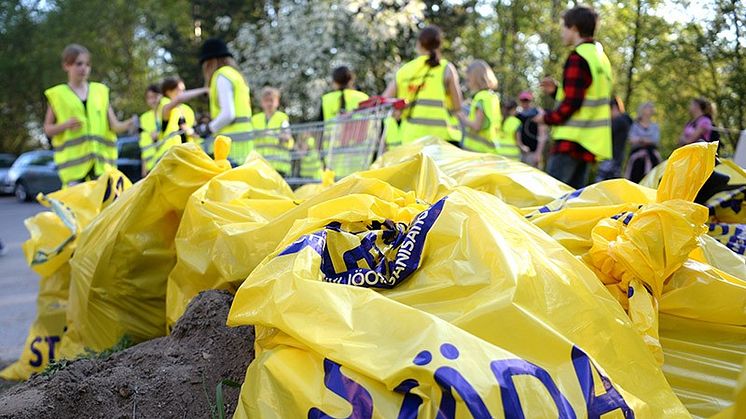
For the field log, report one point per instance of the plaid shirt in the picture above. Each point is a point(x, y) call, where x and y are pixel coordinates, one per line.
point(576, 79)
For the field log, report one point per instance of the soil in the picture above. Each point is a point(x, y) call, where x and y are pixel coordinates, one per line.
point(169, 377)
point(5, 385)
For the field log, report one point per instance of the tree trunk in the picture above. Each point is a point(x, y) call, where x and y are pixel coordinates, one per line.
point(635, 53)
point(737, 54)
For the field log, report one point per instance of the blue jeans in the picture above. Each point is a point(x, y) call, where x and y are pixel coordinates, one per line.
point(568, 170)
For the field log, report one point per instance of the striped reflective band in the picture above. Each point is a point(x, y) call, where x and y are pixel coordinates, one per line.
point(427, 102)
point(428, 122)
point(85, 159)
point(241, 119)
point(240, 137)
point(480, 139)
point(83, 139)
point(595, 103)
point(149, 146)
point(599, 123)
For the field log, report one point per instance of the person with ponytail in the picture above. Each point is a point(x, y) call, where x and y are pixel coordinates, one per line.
point(344, 98)
point(430, 86)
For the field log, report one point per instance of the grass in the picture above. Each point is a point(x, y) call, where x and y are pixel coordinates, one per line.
point(59, 365)
point(217, 410)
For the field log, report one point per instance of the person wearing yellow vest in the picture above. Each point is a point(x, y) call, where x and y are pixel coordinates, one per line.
point(176, 117)
point(484, 124)
point(230, 101)
point(343, 98)
point(276, 146)
point(430, 86)
point(81, 122)
point(149, 129)
point(581, 124)
point(510, 129)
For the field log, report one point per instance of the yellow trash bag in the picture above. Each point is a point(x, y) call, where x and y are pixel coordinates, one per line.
point(516, 183)
point(380, 305)
point(119, 271)
point(706, 291)
point(239, 234)
point(54, 235)
point(249, 195)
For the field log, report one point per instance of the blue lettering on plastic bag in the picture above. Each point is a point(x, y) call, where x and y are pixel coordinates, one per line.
point(408, 241)
point(449, 380)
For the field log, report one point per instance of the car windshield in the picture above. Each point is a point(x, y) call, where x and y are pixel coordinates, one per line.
point(129, 150)
point(6, 161)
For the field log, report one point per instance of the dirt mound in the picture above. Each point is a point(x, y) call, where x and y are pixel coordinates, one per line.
point(169, 377)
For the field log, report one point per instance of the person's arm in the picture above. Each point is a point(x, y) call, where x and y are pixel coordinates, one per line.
point(186, 96)
point(519, 140)
point(51, 128)
point(453, 89)
point(119, 126)
point(225, 100)
point(390, 91)
point(575, 82)
point(477, 123)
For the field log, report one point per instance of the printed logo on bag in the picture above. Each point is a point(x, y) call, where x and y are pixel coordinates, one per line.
point(450, 380)
point(405, 242)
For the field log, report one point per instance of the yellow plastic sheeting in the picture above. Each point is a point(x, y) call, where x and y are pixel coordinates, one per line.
point(119, 272)
point(53, 238)
point(381, 307)
point(516, 183)
point(247, 196)
point(703, 361)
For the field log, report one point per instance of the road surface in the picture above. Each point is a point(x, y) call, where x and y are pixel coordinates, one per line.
point(18, 283)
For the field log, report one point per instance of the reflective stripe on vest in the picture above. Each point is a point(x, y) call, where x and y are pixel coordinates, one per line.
point(241, 124)
point(270, 147)
point(90, 149)
point(331, 102)
point(590, 126)
point(423, 87)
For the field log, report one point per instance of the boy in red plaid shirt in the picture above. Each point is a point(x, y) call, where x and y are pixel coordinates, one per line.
point(570, 161)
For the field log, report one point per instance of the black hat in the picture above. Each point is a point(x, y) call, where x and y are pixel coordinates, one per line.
point(213, 48)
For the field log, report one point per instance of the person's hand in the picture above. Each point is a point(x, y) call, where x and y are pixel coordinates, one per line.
point(154, 135)
point(73, 124)
point(524, 148)
point(539, 118)
point(548, 85)
point(203, 130)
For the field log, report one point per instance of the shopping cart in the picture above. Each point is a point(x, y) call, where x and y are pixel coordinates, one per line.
point(346, 144)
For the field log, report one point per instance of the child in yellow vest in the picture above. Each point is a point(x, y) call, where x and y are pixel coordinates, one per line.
point(81, 122)
point(277, 145)
point(484, 123)
point(176, 118)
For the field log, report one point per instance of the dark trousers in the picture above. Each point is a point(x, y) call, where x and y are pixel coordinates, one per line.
point(565, 168)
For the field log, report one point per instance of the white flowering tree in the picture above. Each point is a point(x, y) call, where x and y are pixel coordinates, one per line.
point(296, 47)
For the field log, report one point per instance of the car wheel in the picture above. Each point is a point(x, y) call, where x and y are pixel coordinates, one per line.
point(21, 192)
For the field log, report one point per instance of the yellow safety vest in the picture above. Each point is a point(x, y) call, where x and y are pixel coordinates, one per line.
point(271, 147)
point(171, 135)
point(310, 164)
point(488, 138)
point(423, 88)
point(590, 126)
point(508, 147)
point(239, 129)
point(330, 102)
point(93, 147)
point(147, 144)
point(392, 134)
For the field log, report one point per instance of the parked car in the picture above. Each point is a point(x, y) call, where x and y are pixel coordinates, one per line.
point(129, 161)
point(6, 160)
point(31, 173)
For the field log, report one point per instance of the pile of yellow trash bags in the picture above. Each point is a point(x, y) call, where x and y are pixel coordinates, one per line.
point(440, 283)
